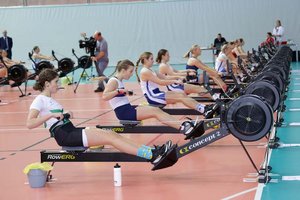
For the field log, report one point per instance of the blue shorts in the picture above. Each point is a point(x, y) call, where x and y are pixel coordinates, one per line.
point(126, 112)
point(156, 97)
point(176, 87)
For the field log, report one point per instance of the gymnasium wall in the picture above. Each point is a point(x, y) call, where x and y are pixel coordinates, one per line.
point(131, 28)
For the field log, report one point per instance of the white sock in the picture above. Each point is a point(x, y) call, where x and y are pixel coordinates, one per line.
point(200, 107)
point(216, 96)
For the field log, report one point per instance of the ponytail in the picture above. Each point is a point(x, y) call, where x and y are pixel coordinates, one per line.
point(187, 54)
point(145, 55)
point(38, 86)
point(114, 70)
point(190, 52)
point(136, 70)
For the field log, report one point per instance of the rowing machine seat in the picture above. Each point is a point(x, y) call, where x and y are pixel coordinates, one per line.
point(78, 148)
point(129, 123)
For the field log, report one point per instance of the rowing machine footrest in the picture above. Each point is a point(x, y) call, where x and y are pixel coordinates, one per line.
point(168, 160)
point(78, 148)
point(197, 131)
point(129, 123)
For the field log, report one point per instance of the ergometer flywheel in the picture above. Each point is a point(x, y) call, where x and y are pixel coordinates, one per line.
point(249, 118)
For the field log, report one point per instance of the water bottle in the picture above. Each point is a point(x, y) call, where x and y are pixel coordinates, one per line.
point(117, 175)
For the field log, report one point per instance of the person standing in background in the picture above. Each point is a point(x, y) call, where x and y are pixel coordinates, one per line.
point(278, 33)
point(219, 41)
point(101, 58)
point(6, 43)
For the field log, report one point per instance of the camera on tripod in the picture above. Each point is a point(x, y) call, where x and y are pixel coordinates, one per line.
point(88, 44)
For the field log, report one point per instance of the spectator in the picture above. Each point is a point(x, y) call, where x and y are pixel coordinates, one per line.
point(278, 33)
point(6, 43)
point(219, 41)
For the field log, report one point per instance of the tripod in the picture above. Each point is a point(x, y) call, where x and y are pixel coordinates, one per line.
point(84, 62)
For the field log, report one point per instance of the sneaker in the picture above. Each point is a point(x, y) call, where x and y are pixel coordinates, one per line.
point(209, 110)
point(159, 151)
point(186, 127)
point(99, 90)
point(195, 131)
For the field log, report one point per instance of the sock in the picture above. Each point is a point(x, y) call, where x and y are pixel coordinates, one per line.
point(144, 152)
point(200, 107)
point(216, 96)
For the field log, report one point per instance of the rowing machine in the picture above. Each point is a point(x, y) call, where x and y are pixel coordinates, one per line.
point(248, 118)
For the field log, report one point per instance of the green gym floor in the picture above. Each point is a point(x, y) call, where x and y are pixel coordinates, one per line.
point(285, 162)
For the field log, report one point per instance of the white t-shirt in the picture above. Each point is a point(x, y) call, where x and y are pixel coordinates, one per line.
point(221, 63)
point(120, 99)
point(46, 105)
point(278, 31)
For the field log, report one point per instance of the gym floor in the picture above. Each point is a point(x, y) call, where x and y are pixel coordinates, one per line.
point(285, 161)
point(214, 172)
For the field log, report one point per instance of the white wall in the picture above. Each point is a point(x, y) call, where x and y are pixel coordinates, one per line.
point(131, 28)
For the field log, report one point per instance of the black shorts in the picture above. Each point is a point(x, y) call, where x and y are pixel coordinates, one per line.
point(68, 135)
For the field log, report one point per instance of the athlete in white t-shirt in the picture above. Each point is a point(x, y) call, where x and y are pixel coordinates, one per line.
point(278, 33)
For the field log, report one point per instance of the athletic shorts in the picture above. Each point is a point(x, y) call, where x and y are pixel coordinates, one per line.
point(156, 97)
point(175, 87)
point(68, 135)
point(126, 112)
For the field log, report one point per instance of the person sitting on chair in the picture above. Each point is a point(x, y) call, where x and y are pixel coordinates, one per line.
point(46, 110)
point(115, 93)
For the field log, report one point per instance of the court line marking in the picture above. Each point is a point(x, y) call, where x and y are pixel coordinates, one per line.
point(294, 99)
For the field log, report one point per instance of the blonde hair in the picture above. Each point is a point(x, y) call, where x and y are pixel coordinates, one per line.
point(143, 56)
point(188, 54)
point(224, 47)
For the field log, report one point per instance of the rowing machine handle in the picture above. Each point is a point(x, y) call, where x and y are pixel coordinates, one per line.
point(66, 116)
point(130, 92)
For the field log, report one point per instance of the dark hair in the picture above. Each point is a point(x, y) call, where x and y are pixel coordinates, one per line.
point(34, 48)
point(45, 75)
point(122, 64)
point(269, 33)
point(161, 53)
point(145, 55)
